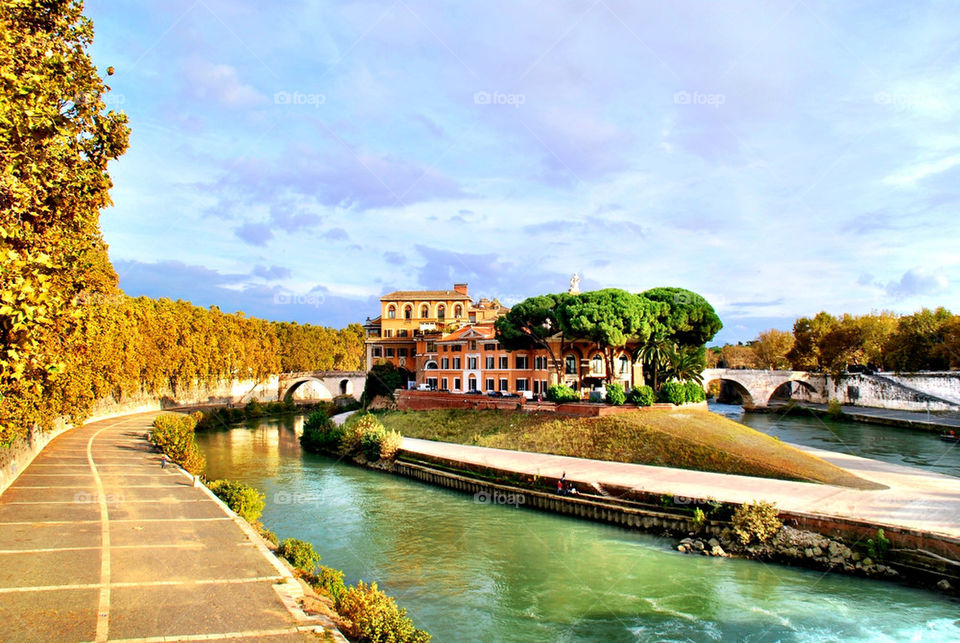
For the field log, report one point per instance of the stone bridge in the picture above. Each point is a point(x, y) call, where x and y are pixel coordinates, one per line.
point(329, 384)
point(757, 387)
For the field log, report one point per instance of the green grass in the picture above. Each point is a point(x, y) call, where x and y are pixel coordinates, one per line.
point(697, 440)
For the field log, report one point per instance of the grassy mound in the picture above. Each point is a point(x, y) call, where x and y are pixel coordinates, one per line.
point(697, 440)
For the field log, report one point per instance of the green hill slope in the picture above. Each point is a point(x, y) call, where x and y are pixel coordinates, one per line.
point(692, 439)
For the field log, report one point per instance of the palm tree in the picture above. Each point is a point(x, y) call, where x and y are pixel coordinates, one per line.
point(684, 365)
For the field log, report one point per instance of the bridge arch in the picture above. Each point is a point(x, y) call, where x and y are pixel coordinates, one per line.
point(783, 391)
point(746, 398)
point(762, 385)
point(315, 382)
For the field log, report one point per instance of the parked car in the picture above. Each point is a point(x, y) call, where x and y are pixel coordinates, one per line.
point(473, 392)
point(509, 395)
point(495, 394)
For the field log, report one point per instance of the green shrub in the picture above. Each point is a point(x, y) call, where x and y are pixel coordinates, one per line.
point(375, 617)
point(673, 392)
point(390, 444)
point(243, 499)
point(268, 535)
point(561, 393)
point(615, 394)
point(699, 519)
point(835, 409)
point(253, 409)
point(299, 553)
point(370, 443)
point(356, 427)
point(173, 434)
point(755, 522)
point(320, 434)
point(330, 582)
point(642, 395)
point(877, 549)
point(694, 392)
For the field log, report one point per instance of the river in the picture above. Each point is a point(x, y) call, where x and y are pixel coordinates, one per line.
point(468, 571)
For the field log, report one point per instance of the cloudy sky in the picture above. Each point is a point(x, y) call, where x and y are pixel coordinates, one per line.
point(297, 159)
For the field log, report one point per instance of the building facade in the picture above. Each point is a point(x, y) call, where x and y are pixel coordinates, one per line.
point(446, 341)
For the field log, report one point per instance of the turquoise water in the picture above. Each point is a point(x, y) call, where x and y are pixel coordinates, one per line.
point(908, 447)
point(468, 571)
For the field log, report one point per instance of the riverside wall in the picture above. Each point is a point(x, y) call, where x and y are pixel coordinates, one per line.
point(21, 453)
point(408, 400)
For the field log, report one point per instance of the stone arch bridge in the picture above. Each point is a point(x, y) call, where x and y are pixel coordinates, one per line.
point(329, 383)
point(757, 387)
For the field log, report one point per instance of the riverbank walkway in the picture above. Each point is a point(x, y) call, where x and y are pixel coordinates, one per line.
point(939, 421)
point(99, 542)
point(916, 499)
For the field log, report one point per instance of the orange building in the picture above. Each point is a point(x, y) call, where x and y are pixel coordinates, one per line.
point(447, 342)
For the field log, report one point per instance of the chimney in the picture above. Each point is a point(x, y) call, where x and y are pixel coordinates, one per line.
point(460, 288)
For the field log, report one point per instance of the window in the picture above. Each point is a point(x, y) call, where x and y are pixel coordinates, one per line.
point(540, 363)
point(458, 311)
point(431, 347)
point(441, 312)
point(472, 383)
point(523, 384)
point(522, 362)
point(570, 365)
point(445, 347)
point(457, 348)
point(377, 351)
point(472, 363)
point(536, 386)
point(443, 383)
point(389, 352)
point(624, 365)
point(388, 333)
point(456, 384)
point(543, 386)
point(504, 362)
point(392, 312)
point(503, 384)
point(488, 363)
point(489, 347)
point(424, 311)
point(488, 385)
point(473, 318)
point(473, 345)
point(445, 363)
point(430, 366)
point(407, 312)
point(432, 382)
point(402, 352)
point(456, 363)
point(596, 364)
point(402, 332)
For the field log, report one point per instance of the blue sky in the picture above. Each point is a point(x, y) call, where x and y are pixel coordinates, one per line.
point(298, 159)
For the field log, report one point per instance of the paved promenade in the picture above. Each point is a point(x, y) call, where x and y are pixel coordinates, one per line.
point(916, 499)
point(97, 542)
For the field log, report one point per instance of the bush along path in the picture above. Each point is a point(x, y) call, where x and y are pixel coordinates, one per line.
point(363, 612)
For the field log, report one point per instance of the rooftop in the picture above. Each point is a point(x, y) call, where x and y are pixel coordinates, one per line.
point(421, 295)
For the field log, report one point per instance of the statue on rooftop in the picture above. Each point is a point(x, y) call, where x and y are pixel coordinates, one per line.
point(574, 284)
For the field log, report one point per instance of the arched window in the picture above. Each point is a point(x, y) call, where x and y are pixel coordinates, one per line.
point(596, 364)
point(441, 312)
point(431, 365)
point(458, 311)
point(570, 365)
point(624, 365)
point(392, 312)
point(424, 311)
point(407, 312)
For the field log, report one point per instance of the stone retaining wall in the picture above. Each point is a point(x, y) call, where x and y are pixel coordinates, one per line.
point(430, 400)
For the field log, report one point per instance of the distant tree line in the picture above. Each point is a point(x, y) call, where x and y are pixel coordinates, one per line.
point(68, 335)
point(927, 340)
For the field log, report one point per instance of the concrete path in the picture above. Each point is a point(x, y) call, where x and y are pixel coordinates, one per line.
point(98, 542)
point(916, 499)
